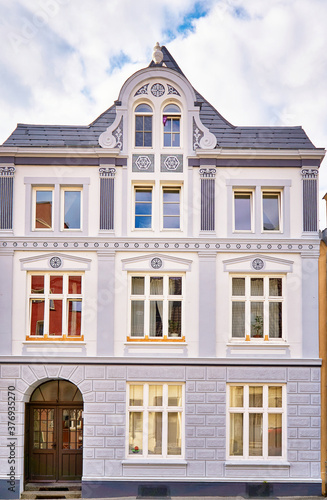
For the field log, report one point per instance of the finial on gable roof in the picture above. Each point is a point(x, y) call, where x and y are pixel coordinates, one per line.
point(157, 55)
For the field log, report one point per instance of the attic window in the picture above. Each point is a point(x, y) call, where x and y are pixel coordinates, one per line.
point(171, 121)
point(143, 125)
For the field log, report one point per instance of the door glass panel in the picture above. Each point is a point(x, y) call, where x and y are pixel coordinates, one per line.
point(43, 428)
point(72, 429)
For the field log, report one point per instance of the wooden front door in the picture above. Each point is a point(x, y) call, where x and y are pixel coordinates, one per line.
point(55, 433)
point(56, 442)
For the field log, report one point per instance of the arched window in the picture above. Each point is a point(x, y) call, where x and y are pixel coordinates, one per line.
point(171, 121)
point(143, 125)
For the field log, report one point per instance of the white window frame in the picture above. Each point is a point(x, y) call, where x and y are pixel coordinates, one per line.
point(265, 410)
point(144, 187)
point(165, 409)
point(171, 187)
point(252, 224)
point(278, 192)
point(166, 298)
point(144, 113)
point(65, 297)
point(171, 115)
point(35, 190)
point(63, 189)
point(266, 299)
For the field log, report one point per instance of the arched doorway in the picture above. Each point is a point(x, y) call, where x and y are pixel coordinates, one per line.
point(55, 432)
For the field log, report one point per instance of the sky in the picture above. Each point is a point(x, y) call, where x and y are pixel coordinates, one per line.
point(258, 62)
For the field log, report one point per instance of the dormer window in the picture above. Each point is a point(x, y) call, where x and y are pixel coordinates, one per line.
point(143, 126)
point(171, 121)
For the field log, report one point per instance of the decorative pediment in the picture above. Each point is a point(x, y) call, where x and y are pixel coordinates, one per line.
point(258, 263)
point(156, 262)
point(55, 262)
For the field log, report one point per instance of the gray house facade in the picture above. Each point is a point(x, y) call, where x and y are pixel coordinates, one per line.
point(159, 301)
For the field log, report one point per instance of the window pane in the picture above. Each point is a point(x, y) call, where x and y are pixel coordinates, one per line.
point(155, 433)
point(143, 108)
point(176, 140)
point(156, 286)
point(75, 285)
point(156, 314)
point(255, 434)
point(171, 108)
point(236, 397)
point(255, 397)
point(171, 196)
point(176, 124)
point(136, 395)
point(275, 320)
point(74, 317)
point(238, 285)
point(238, 319)
point(55, 317)
point(143, 208)
point(143, 222)
point(148, 123)
point(145, 195)
point(171, 209)
point(270, 205)
point(139, 123)
point(37, 317)
point(174, 433)
point(155, 395)
point(138, 138)
point(236, 434)
point(275, 435)
point(171, 222)
point(257, 323)
point(274, 397)
point(137, 285)
point(174, 395)
point(56, 284)
point(72, 210)
point(175, 286)
point(242, 207)
point(137, 318)
point(174, 318)
point(167, 140)
point(275, 287)
point(37, 284)
point(136, 433)
point(257, 287)
point(167, 124)
point(43, 210)
point(147, 139)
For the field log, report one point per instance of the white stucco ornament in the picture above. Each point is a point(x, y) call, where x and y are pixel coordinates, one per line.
point(157, 55)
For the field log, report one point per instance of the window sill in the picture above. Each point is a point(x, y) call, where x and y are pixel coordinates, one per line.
point(150, 340)
point(154, 461)
point(57, 338)
point(257, 463)
point(259, 343)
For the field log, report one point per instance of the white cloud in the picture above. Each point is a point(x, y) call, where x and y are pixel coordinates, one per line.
point(258, 62)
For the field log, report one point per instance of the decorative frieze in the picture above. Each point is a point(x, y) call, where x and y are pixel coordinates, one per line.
point(143, 163)
point(172, 90)
point(171, 163)
point(142, 90)
point(157, 90)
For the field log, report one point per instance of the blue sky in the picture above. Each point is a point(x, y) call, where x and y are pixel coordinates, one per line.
point(258, 62)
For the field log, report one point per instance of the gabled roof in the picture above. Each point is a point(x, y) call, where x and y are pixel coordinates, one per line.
point(228, 135)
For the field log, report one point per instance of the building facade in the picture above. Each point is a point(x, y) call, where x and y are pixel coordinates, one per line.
point(159, 300)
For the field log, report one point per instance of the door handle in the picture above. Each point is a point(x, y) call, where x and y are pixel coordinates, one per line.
point(54, 445)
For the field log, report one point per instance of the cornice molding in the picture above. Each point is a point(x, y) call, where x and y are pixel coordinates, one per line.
point(261, 153)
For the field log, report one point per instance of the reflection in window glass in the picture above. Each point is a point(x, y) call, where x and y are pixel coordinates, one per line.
point(270, 209)
point(155, 433)
point(255, 434)
point(74, 317)
point(174, 395)
point(155, 395)
point(171, 208)
point(175, 318)
point(137, 318)
point(174, 433)
point(242, 209)
point(37, 317)
point(72, 209)
point(136, 395)
point(55, 317)
point(143, 208)
point(236, 397)
point(43, 209)
point(236, 434)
